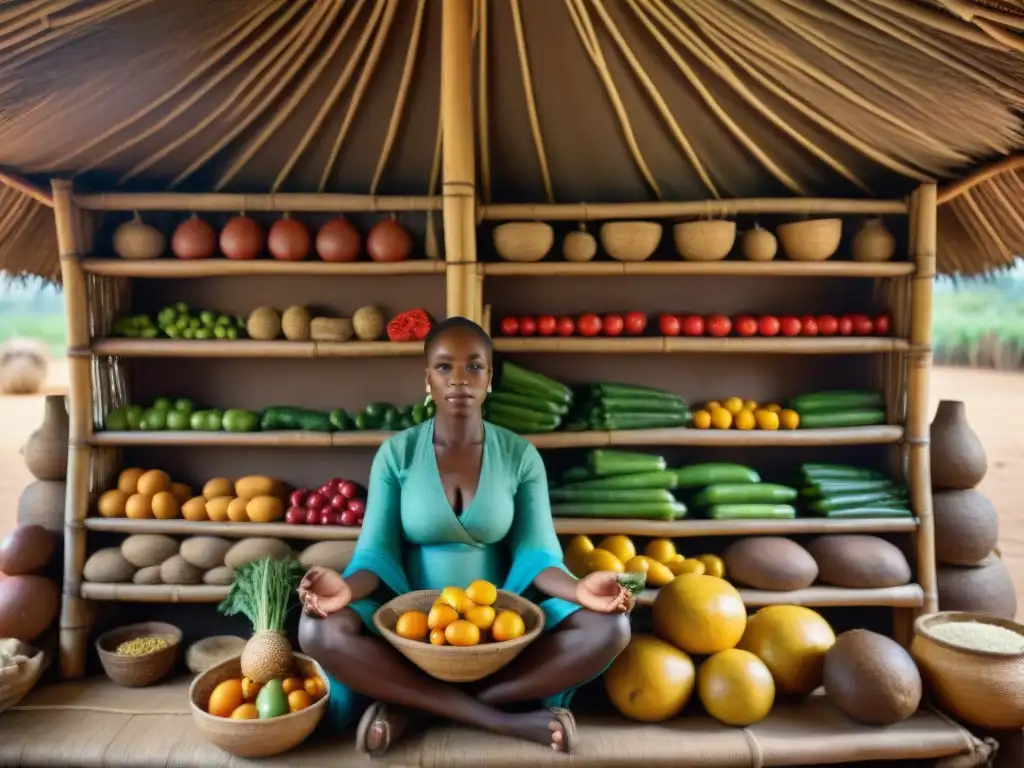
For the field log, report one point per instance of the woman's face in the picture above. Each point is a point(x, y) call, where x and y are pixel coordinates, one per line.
point(458, 372)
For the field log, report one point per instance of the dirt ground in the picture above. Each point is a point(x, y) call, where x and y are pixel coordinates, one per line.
point(994, 407)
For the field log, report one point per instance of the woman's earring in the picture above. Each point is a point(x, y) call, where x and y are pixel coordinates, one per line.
point(488, 389)
point(427, 399)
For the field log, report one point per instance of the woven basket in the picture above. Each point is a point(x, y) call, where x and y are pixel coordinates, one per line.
point(211, 651)
point(137, 671)
point(17, 679)
point(255, 738)
point(523, 241)
point(813, 240)
point(455, 664)
point(704, 240)
point(982, 688)
point(630, 240)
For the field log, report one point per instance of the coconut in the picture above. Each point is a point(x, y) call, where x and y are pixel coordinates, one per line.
point(295, 323)
point(368, 323)
point(264, 324)
point(871, 678)
point(771, 563)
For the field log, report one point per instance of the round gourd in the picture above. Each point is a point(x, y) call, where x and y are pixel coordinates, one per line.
point(241, 238)
point(108, 566)
point(699, 614)
point(28, 605)
point(205, 552)
point(368, 323)
point(295, 324)
point(758, 244)
point(871, 678)
point(136, 240)
point(289, 240)
point(985, 588)
point(176, 570)
point(859, 562)
point(26, 550)
point(339, 241)
point(193, 239)
point(792, 642)
point(264, 324)
point(771, 563)
point(389, 241)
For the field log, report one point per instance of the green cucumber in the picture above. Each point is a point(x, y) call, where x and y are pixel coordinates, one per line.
point(851, 500)
point(818, 472)
point(514, 415)
point(745, 493)
point(882, 511)
point(640, 405)
point(666, 479)
point(842, 419)
point(609, 389)
point(523, 381)
point(751, 512)
point(528, 403)
point(575, 475)
point(604, 463)
point(623, 422)
point(700, 475)
point(836, 400)
point(625, 511)
point(636, 495)
point(827, 488)
point(634, 581)
point(520, 427)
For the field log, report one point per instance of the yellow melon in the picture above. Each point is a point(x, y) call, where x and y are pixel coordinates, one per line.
point(658, 575)
point(217, 508)
point(699, 614)
point(195, 509)
point(620, 546)
point(736, 687)
point(112, 503)
point(792, 642)
point(650, 681)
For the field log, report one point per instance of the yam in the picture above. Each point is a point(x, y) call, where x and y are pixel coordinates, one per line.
point(247, 550)
point(771, 563)
point(859, 562)
point(252, 486)
point(26, 550)
point(871, 678)
point(328, 554)
point(205, 552)
point(147, 549)
point(265, 509)
point(221, 576)
point(149, 575)
point(108, 566)
point(176, 570)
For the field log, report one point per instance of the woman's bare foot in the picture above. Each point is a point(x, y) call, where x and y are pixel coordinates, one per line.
point(542, 726)
point(381, 727)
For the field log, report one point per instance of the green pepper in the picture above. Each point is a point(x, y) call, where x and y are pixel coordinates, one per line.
point(206, 421)
point(339, 420)
point(153, 419)
point(178, 421)
point(281, 417)
point(239, 420)
point(315, 421)
point(117, 420)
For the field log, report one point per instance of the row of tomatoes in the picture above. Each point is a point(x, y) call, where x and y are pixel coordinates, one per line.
point(635, 323)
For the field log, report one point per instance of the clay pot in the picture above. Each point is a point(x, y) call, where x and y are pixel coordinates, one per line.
point(46, 451)
point(986, 588)
point(289, 239)
point(338, 240)
point(957, 455)
point(241, 238)
point(873, 242)
point(42, 503)
point(966, 527)
point(136, 240)
point(193, 239)
point(389, 241)
point(579, 246)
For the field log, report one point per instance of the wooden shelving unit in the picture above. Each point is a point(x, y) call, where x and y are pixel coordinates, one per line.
point(673, 345)
point(695, 268)
point(247, 348)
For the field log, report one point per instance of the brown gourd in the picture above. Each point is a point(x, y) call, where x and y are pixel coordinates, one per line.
point(135, 239)
point(339, 241)
point(26, 550)
point(966, 527)
point(28, 605)
point(871, 678)
point(769, 562)
point(193, 239)
point(958, 460)
point(389, 241)
point(241, 239)
point(289, 239)
point(859, 562)
point(985, 588)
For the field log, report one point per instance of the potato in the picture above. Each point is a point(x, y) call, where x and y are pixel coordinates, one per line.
point(328, 554)
point(236, 510)
point(175, 570)
point(108, 566)
point(265, 509)
point(217, 508)
point(149, 575)
point(147, 549)
point(204, 552)
point(221, 577)
point(247, 550)
point(219, 486)
point(252, 486)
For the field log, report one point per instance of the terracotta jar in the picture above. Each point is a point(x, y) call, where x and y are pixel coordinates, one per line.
point(957, 455)
point(46, 452)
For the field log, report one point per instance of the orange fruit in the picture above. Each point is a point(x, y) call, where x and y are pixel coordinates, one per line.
point(245, 712)
point(298, 700)
point(437, 637)
point(481, 615)
point(441, 616)
point(250, 689)
point(226, 698)
point(456, 598)
point(508, 625)
point(292, 684)
point(412, 625)
point(315, 687)
point(462, 632)
point(482, 592)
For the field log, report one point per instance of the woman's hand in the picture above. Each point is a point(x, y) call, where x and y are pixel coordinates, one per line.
point(323, 592)
point(601, 592)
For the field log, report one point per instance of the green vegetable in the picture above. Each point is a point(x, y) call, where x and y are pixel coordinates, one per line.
point(178, 421)
point(699, 475)
point(632, 580)
point(622, 422)
point(279, 417)
point(626, 511)
point(666, 479)
point(376, 413)
point(362, 421)
point(184, 405)
point(153, 419)
point(505, 415)
point(818, 472)
point(604, 463)
point(641, 405)
point(852, 500)
point(839, 487)
point(870, 511)
point(842, 419)
point(638, 495)
point(419, 413)
point(340, 420)
point(751, 512)
point(631, 391)
point(206, 421)
point(575, 475)
point(745, 493)
point(239, 420)
point(314, 421)
point(527, 402)
point(162, 404)
point(117, 420)
point(271, 701)
point(520, 380)
point(133, 415)
point(836, 400)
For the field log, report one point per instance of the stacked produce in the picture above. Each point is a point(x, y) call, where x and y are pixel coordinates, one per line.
point(336, 502)
point(837, 409)
point(611, 324)
point(179, 322)
point(611, 406)
point(29, 602)
point(527, 402)
point(736, 492)
point(737, 413)
point(840, 492)
point(659, 563)
point(462, 617)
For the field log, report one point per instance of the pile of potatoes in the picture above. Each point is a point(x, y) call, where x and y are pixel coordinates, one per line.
point(145, 494)
point(158, 559)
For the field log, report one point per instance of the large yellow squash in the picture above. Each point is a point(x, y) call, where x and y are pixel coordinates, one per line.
point(792, 642)
point(736, 687)
point(650, 681)
point(699, 614)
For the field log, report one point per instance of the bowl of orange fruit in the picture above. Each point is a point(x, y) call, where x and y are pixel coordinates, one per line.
point(230, 713)
point(458, 634)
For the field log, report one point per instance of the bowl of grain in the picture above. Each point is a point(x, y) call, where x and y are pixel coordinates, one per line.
point(139, 654)
point(974, 665)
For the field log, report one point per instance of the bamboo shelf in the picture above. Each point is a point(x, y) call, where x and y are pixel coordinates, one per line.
point(676, 345)
point(879, 435)
point(281, 203)
point(247, 348)
point(228, 530)
point(155, 593)
point(909, 596)
point(796, 206)
point(695, 268)
point(220, 267)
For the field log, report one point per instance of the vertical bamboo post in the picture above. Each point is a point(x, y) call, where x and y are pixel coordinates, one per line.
point(458, 159)
point(923, 243)
point(76, 505)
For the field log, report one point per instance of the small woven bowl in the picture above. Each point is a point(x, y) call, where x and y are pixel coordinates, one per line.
point(630, 240)
point(523, 241)
point(704, 240)
point(138, 671)
point(458, 664)
point(813, 240)
point(255, 738)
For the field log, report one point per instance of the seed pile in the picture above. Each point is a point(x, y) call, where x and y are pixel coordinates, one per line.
point(141, 646)
point(975, 636)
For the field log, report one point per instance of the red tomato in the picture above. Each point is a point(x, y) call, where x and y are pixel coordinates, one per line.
point(565, 326)
point(789, 326)
point(718, 325)
point(883, 325)
point(745, 325)
point(635, 322)
point(546, 325)
point(589, 324)
point(669, 325)
point(527, 326)
point(862, 325)
point(768, 325)
point(612, 325)
point(509, 326)
point(693, 325)
point(845, 325)
point(828, 325)
point(808, 325)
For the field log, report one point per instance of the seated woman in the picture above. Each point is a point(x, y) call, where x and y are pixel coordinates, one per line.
point(450, 501)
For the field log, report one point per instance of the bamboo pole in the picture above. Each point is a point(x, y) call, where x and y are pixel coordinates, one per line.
point(297, 202)
point(728, 268)
point(76, 506)
point(796, 206)
point(458, 165)
point(171, 268)
point(908, 596)
point(648, 345)
point(26, 187)
point(923, 239)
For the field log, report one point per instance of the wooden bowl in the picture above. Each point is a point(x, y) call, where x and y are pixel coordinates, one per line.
point(704, 240)
point(813, 240)
point(458, 664)
point(255, 738)
point(138, 671)
point(630, 240)
point(982, 688)
point(523, 241)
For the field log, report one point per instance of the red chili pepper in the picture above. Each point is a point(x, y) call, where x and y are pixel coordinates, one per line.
point(411, 325)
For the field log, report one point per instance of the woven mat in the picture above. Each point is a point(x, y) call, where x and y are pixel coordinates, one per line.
point(96, 723)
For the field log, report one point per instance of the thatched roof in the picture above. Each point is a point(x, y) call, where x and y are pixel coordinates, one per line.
point(596, 100)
